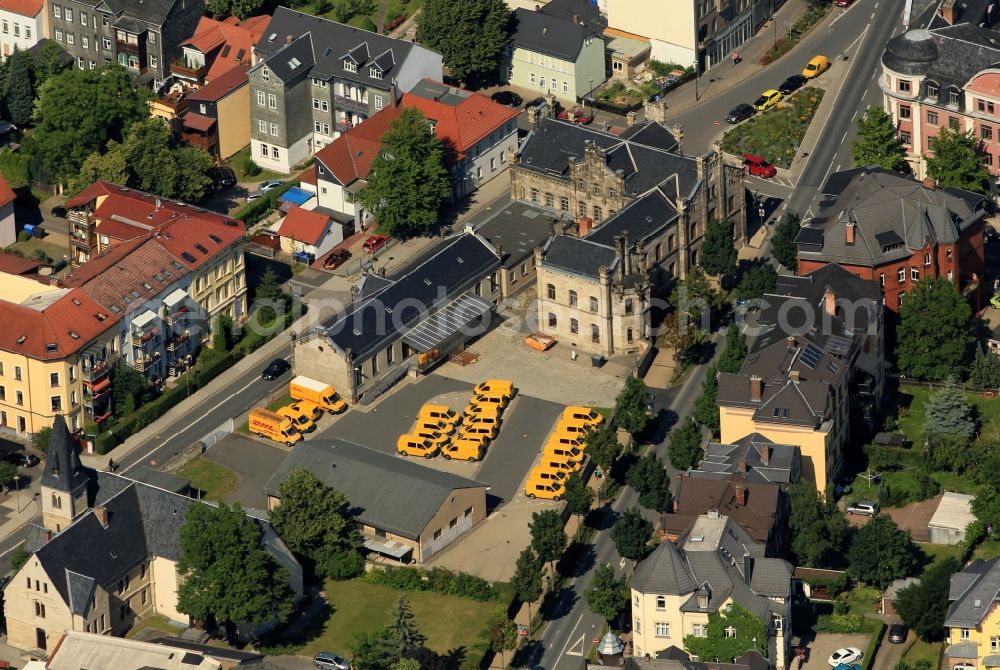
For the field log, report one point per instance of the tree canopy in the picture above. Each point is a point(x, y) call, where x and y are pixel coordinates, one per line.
point(696, 301)
point(783, 246)
point(503, 633)
point(818, 528)
point(706, 412)
point(935, 331)
point(877, 142)
point(649, 477)
point(631, 533)
point(401, 621)
point(685, 445)
point(20, 91)
point(579, 497)
point(731, 632)
point(527, 579)
point(227, 578)
point(408, 182)
point(957, 161)
point(880, 552)
point(924, 605)
point(548, 537)
point(470, 35)
point(718, 253)
point(757, 281)
point(986, 506)
point(603, 446)
point(239, 8)
point(984, 373)
point(950, 413)
point(607, 596)
point(735, 351)
point(630, 406)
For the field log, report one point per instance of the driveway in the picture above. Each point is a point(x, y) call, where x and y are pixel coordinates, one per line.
point(824, 644)
point(253, 462)
point(913, 517)
point(889, 654)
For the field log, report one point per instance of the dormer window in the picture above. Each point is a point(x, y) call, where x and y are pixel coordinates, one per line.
point(350, 66)
point(374, 73)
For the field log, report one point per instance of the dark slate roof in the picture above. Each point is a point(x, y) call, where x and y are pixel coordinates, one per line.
point(893, 215)
point(813, 286)
point(578, 256)
point(979, 581)
point(555, 36)
point(721, 461)
point(651, 134)
point(331, 43)
point(292, 60)
point(232, 655)
point(806, 402)
point(645, 160)
point(370, 324)
point(152, 11)
point(663, 571)
point(751, 505)
point(63, 470)
point(641, 219)
point(389, 493)
point(516, 229)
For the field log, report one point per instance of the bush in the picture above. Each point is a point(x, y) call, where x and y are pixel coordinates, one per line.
point(873, 644)
point(364, 23)
point(249, 168)
point(776, 133)
point(258, 209)
point(439, 580)
point(839, 623)
point(214, 368)
point(23, 236)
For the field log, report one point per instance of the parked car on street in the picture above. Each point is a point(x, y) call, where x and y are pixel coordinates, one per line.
point(792, 84)
point(758, 166)
point(508, 98)
point(222, 177)
point(22, 459)
point(740, 112)
point(374, 243)
point(817, 66)
point(843, 3)
point(59, 211)
point(577, 115)
point(863, 507)
point(326, 660)
point(275, 369)
point(336, 259)
point(845, 655)
point(767, 100)
point(897, 633)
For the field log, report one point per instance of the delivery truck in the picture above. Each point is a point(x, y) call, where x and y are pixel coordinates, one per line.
point(304, 388)
point(273, 426)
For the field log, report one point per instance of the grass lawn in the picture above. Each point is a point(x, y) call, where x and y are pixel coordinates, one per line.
point(215, 480)
point(930, 651)
point(157, 621)
point(776, 133)
point(449, 622)
point(912, 412)
point(29, 247)
point(237, 160)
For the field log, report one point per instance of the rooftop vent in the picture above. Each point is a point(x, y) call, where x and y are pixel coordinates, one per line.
point(76, 301)
point(21, 339)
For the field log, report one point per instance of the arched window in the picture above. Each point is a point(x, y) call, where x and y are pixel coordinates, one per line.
point(572, 299)
point(593, 304)
point(661, 602)
point(574, 326)
point(595, 333)
point(551, 288)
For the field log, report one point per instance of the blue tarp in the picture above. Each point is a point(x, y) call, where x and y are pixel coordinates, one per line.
point(296, 196)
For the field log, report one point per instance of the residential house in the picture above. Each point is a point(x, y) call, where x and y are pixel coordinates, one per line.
point(405, 511)
point(951, 518)
point(76, 649)
point(407, 324)
point(479, 136)
point(677, 659)
point(106, 555)
point(886, 227)
point(216, 47)
point(22, 24)
point(887, 604)
point(941, 74)
point(690, 32)
point(47, 331)
point(815, 365)
point(313, 79)
point(556, 51)
point(973, 618)
point(11, 264)
point(218, 115)
point(754, 457)
point(760, 509)
point(308, 234)
point(8, 225)
point(677, 587)
point(142, 36)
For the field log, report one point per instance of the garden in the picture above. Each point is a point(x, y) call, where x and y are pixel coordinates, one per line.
point(663, 77)
point(815, 12)
point(777, 133)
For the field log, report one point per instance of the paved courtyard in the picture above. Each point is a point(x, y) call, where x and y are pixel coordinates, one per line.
point(253, 462)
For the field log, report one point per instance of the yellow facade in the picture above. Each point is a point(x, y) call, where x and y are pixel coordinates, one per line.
point(985, 637)
point(33, 391)
point(658, 622)
point(220, 287)
point(233, 114)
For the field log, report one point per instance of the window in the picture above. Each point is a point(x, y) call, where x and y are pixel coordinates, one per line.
point(378, 102)
point(904, 85)
point(904, 111)
point(53, 379)
point(152, 38)
point(953, 97)
point(374, 73)
point(57, 11)
point(699, 630)
point(932, 90)
point(963, 633)
point(905, 138)
point(572, 299)
point(552, 320)
point(6, 27)
point(274, 129)
point(985, 106)
point(389, 356)
point(986, 133)
point(274, 152)
point(262, 126)
point(901, 275)
point(19, 397)
point(59, 35)
point(106, 43)
point(493, 167)
point(730, 631)
point(582, 208)
point(598, 214)
point(914, 274)
point(152, 60)
point(83, 18)
point(593, 304)
point(263, 150)
point(629, 336)
point(56, 403)
point(564, 204)
point(84, 41)
point(17, 373)
point(565, 86)
point(595, 333)
point(532, 79)
point(272, 101)
point(662, 630)
point(56, 501)
point(551, 289)
point(326, 128)
point(27, 31)
point(548, 199)
point(628, 306)
point(316, 103)
point(661, 603)
point(534, 195)
point(350, 66)
point(40, 607)
point(574, 326)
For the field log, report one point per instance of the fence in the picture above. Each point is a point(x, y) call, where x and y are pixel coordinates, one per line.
point(225, 428)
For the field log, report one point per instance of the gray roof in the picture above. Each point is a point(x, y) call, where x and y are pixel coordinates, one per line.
point(151, 11)
point(552, 35)
point(292, 60)
point(722, 460)
point(973, 593)
point(664, 571)
point(646, 155)
point(892, 216)
point(330, 43)
point(63, 470)
point(397, 495)
point(806, 402)
point(813, 286)
point(897, 585)
point(371, 324)
point(161, 480)
point(578, 256)
point(516, 229)
point(641, 219)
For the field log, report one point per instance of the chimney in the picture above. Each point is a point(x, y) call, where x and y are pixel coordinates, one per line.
point(947, 11)
point(48, 535)
point(289, 39)
point(741, 467)
point(630, 119)
point(792, 342)
point(747, 568)
point(850, 232)
point(678, 132)
point(765, 454)
point(676, 505)
point(102, 515)
point(830, 302)
point(793, 375)
point(741, 490)
point(756, 388)
point(929, 183)
point(576, 18)
point(585, 224)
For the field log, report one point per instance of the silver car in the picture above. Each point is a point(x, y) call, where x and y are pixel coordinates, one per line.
point(326, 660)
point(863, 507)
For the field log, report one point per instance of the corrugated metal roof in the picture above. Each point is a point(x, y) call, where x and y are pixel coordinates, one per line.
point(954, 511)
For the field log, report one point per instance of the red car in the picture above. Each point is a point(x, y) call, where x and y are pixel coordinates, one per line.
point(374, 243)
point(843, 3)
point(577, 115)
point(756, 165)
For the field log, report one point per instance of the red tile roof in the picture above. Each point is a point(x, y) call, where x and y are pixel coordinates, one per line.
point(71, 322)
point(350, 156)
point(214, 36)
point(146, 271)
point(222, 85)
point(198, 122)
point(308, 175)
point(22, 7)
point(466, 123)
point(6, 193)
point(303, 225)
point(16, 265)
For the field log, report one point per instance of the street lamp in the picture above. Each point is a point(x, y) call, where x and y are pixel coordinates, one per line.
point(293, 335)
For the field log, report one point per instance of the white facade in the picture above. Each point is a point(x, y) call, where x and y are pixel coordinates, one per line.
point(18, 29)
point(486, 160)
point(8, 231)
point(278, 158)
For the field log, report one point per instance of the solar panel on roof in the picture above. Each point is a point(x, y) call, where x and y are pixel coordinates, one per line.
point(838, 345)
point(811, 356)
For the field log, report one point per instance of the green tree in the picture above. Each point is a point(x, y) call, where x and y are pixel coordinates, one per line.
point(579, 497)
point(15, 167)
point(18, 557)
point(984, 373)
point(949, 413)
point(818, 528)
point(222, 333)
point(735, 351)
point(40, 440)
point(111, 166)
point(696, 301)
point(470, 35)
point(924, 605)
point(718, 256)
point(631, 533)
point(408, 181)
point(783, 246)
point(79, 111)
point(880, 552)
point(406, 664)
point(4, 71)
point(51, 61)
point(630, 406)
point(238, 8)
point(607, 596)
point(603, 447)
point(757, 281)
point(315, 522)
point(401, 622)
point(685, 445)
point(985, 461)
point(129, 406)
point(503, 634)
point(375, 650)
point(986, 507)
point(20, 92)
point(527, 579)
point(706, 412)
point(227, 578)
point(957, 161)
point(731, 632)
point(683, 336)
point(8, 474)
point(126, 381)
point(649, 477)
point(924, 487)
point(548, 537)
point(935, 331)
point(877, 142)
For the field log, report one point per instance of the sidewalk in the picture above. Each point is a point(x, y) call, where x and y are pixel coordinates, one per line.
point(717, 81)
point(18, 508)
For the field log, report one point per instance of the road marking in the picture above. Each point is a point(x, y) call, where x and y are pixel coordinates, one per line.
point(874, 72)
point(621, 563)
point(843, 137)
point(855, 115)
point(872, 17)
point(570, 638)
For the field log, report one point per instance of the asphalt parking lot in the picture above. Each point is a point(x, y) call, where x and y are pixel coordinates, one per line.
point(253, 462)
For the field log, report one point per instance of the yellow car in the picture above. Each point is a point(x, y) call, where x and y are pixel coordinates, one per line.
point(767, 100)
point(817, 66)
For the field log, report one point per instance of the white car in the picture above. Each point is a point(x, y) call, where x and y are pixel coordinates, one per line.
point(845, 655)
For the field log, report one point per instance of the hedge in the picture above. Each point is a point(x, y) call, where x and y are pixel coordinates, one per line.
point(874, 643)
point(439, 580)
point(258, 209)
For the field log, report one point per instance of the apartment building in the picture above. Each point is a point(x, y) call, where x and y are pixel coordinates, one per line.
point(143, 36)
point(973, 618)
point(884, 227)
point(22, 24)
point(314, 78)
point(105, 556)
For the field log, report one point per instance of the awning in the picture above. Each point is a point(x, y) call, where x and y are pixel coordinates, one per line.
point(388, 547)
point(435, 330)
point(295, 195)
point(198, 122)
point(175, 297)
point(102, 386)
point(992, 661)
point(144, 319)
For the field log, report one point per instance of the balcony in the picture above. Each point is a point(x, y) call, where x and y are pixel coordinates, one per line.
point(175, 343)
point(94, 373)
point(142, 363)
point(182, 69)
point(142, 338)
point(170, 318)
point(356, 106)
